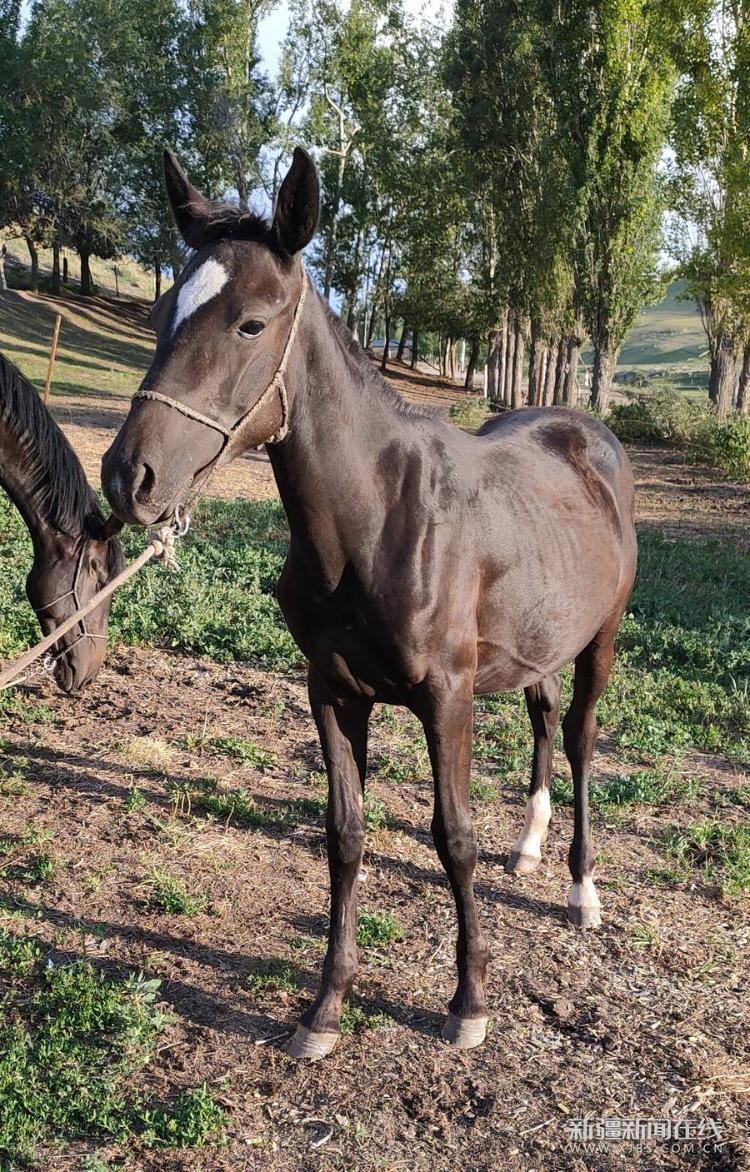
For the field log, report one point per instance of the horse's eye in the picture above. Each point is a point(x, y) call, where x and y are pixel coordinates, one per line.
point(251, 329)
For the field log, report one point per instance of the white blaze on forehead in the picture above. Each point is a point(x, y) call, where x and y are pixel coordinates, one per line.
point(201, 287)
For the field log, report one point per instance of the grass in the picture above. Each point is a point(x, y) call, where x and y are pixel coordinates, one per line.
point(377, 930)
point(355, 1019)
point(273, 976)
point(719, 852)
point(72, 1040)
point(168, 895)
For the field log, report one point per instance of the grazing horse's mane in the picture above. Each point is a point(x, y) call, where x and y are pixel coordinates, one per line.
point(55, 483)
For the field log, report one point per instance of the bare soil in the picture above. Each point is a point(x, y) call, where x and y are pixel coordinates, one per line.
point(646, 1018)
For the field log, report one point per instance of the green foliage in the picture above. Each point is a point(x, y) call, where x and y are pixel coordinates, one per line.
point(470, 412)
point(192, 1119)
point(377, 930)
point(274, 975)
point(355, 1019)
point(168, 895)
point(71, 1040)
point(720, 853)
point(245, 751)
point(678, 422)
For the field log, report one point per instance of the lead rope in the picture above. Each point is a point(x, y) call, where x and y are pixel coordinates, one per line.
point(161, 546)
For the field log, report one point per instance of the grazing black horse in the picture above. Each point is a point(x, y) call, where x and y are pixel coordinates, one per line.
point(425, 565)
point(74, 554)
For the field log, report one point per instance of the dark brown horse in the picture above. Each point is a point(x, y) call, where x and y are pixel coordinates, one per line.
point(74, 555)
point(425, 565)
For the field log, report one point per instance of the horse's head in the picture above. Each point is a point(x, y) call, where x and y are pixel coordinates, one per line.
point(66, 573)
point(223, 331)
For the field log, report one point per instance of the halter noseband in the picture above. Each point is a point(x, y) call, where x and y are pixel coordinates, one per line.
point(277, 384)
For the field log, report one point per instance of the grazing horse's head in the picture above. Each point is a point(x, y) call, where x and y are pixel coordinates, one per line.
point(66, 573)
point(223, 331)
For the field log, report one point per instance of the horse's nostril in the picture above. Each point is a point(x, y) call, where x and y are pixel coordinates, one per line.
point(144, 484)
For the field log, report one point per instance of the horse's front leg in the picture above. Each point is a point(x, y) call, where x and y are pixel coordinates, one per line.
point(342, 726)
point(448, 724)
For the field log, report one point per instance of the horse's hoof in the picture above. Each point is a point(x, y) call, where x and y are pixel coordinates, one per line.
point(521, 864)
point(465, 1032)
point(307, 1044)
point(584, 917)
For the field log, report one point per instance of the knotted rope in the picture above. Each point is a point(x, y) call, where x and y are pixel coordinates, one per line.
point(161, 546)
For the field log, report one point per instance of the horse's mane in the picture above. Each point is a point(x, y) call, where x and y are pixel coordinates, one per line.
point(55, 483)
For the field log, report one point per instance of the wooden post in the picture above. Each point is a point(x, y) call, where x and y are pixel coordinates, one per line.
point(52, 356)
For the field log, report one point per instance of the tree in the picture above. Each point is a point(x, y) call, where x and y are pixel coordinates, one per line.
point(710, 201)
point(611, 79)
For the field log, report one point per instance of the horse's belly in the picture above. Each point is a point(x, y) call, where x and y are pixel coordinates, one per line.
point(530, 629)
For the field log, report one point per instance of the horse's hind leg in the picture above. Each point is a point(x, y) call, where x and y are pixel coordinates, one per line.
point(448, 721)
point(342, 725)
point(592, 669)
point(543, 703)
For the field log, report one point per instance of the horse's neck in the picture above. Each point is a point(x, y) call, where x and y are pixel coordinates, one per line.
point(16, 457)
point(340, 424)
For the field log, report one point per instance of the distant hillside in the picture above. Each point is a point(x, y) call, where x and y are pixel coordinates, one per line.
point(668, 342)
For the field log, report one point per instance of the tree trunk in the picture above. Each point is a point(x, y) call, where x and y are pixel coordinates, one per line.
point(570, 382)
point(34, 258)
point(386, 343)
point(605, 363)
point(557, 397)
point(548, 393)
point(157, 277)
point(55, 278)
point(494, 353)
point(3, 278)
point(743, 388)
point(471, 368)
point(723, 374)
point(452, 359)
point(175, 260)
point(535, 354)
point(86, 286)
point(414, 348)
point(502, 358)
point(511, 339)
point(402, 343)
point(520, 346)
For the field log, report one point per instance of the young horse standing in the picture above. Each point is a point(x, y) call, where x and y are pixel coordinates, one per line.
point(74, 555)
point(425, 565)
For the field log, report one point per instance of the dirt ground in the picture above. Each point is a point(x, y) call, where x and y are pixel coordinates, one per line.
point(646, 1018)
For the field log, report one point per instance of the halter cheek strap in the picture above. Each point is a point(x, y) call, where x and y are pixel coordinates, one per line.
point(50, 660)
point(277, 386)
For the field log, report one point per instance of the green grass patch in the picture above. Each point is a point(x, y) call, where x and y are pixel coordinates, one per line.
point(71, 1041)
point(651, 787)
point(241, 750)
point(718, 851)
point(191, 1120)
point(470, 412)
point(377, 930)
point(355, 1019)
point(168, 895)
point(274, 975)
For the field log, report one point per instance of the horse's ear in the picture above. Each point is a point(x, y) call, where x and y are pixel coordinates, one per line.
point(104, 530)
point(190, 209)
point(298, 205)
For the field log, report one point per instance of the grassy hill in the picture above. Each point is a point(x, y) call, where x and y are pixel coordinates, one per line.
point(667, 344)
